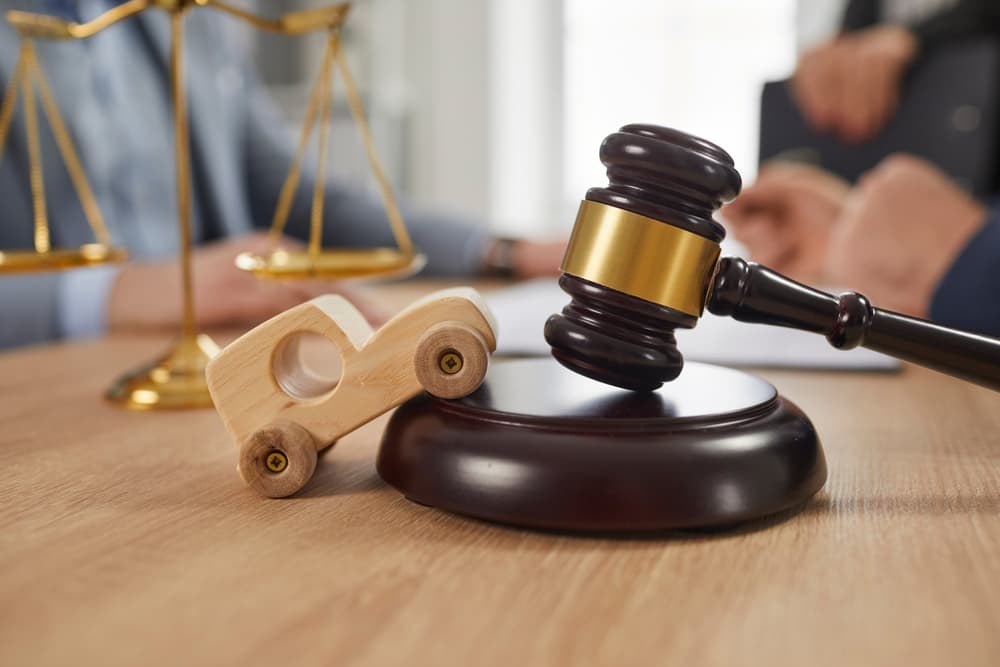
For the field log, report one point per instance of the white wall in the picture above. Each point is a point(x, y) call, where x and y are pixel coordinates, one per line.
point(494, 109)
point(484, 91)
point(526, 116)
point(510, 99)
point(698, 67)
point(446, 66)
point(817, 21)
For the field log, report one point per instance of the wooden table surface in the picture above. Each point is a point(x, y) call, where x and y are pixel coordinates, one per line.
point(127, 538)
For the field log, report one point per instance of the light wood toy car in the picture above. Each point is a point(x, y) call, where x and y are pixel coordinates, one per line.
point(281, 415)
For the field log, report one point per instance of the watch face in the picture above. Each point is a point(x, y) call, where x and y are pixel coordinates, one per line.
point(500, 258)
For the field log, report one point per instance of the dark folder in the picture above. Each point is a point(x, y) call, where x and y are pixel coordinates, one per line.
point(948, 114)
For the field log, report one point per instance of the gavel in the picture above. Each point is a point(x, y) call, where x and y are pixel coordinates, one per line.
point(643, 260)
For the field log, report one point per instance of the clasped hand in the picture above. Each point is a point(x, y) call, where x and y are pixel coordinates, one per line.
point(893, 236)
point(851, 85)
point(147, 295)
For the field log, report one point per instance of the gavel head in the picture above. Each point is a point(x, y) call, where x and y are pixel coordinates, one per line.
point(641, 256)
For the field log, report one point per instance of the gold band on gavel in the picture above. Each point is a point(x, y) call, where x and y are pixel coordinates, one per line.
point(641, 257)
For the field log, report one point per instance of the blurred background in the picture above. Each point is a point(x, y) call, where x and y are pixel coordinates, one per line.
point(495, 109)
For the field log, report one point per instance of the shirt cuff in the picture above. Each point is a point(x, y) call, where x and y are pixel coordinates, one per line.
point(476, 248)
point(83, 301)
point(967, 295)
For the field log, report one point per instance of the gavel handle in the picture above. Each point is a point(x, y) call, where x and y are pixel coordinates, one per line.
point(749, 292)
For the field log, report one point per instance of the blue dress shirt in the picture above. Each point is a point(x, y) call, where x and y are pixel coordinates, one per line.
point(112, 90)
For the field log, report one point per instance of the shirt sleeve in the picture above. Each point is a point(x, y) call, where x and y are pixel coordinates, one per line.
point(859, 14)
point(29, 309)
point(966, 18)
point(969, 295)
point(83, 301)
point(352, 218)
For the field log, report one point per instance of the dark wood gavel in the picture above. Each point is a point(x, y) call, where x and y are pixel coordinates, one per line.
point(643, 261)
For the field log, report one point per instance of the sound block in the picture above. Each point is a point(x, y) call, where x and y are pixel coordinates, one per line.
point(540, 446)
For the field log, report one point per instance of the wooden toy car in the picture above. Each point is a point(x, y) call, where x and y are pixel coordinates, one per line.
point(281, 415)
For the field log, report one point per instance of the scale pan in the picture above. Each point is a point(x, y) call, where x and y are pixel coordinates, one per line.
point(89, 254)
point(332, 264)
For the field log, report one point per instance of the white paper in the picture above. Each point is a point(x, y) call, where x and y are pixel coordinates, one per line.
point(522, 310)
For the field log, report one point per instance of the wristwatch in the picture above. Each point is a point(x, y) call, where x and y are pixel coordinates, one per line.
point(499, 259)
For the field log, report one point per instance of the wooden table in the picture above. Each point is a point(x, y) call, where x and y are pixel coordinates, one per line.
point(127, 538)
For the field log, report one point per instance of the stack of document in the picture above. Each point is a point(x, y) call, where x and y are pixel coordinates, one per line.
point(522, 310)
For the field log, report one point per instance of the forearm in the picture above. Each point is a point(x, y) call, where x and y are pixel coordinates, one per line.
point(969, 295)
point(453, 247)
point(351, 217)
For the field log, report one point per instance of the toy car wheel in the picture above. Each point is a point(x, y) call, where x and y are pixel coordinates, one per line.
point(451, 360)
point(278, 460)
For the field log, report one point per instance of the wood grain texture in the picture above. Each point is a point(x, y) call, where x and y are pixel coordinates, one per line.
point(127, 538)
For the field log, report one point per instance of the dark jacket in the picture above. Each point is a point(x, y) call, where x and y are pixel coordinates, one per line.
point(969, 295)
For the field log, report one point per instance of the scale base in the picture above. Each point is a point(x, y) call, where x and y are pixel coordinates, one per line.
point(541, 447)
point(174, 382)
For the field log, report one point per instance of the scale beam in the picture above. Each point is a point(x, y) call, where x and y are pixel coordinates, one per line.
point(43, 26)
point(294, 23)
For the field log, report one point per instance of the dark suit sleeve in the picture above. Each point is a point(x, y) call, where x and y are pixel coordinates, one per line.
point(968, 18)
point(969, 295)
point(860, 14)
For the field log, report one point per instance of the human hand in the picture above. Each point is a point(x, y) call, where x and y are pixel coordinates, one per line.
point(537, 259)
point(147, 295)
point(852, 84)
point(902, 229)
point(785, 218)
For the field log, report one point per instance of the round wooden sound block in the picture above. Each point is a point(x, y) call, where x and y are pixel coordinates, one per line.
point(540, 446)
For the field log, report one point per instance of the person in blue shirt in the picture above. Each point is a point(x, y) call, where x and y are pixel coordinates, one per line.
point(905, 235)
point(113, 91)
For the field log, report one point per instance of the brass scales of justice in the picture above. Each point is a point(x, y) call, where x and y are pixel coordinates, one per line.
point(177, 379)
